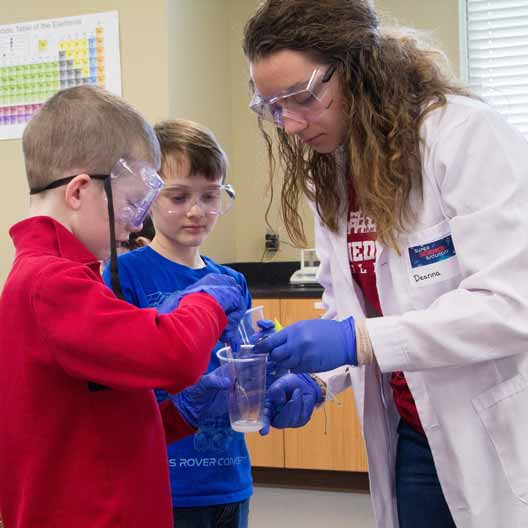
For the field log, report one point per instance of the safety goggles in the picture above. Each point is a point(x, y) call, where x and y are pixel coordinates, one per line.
point(131, 187)
point(215, 200)
point(135, 186)
point(303, 103)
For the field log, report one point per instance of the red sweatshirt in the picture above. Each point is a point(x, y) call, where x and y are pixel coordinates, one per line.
point(71, 456)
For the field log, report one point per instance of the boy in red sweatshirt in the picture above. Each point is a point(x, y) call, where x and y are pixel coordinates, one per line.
point(82, 439)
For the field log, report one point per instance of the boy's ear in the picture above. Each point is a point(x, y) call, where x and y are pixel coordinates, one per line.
point(73, 191)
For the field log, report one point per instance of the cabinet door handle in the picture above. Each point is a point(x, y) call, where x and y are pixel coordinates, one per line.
point(318, 305)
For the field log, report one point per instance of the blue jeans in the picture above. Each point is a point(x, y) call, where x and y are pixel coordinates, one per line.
point(231, 515)
point(421, 502)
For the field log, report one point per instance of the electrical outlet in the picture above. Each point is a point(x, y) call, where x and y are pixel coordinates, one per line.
point(271, 241)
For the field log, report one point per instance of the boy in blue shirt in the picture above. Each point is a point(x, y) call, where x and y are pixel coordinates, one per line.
point(210, 471)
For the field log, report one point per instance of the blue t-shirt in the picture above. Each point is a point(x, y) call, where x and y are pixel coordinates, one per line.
point(212, 466)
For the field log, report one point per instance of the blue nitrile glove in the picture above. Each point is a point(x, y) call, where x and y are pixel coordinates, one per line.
point(267, 327)
point(290, 402)
point(226, 292)
point(206, 399)
point(315, 345)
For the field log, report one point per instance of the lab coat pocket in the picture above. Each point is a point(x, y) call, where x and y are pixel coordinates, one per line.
point(431, 264)
point(502, 410)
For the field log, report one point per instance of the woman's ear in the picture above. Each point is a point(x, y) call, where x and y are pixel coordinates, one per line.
point(74, 190)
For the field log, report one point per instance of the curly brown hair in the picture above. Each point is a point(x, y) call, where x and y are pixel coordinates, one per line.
point(390, 81)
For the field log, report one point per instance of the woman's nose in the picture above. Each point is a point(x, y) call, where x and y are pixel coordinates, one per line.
point(293, 126)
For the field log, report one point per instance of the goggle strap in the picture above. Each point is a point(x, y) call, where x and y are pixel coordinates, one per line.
point(64, 181)
point(114, 272)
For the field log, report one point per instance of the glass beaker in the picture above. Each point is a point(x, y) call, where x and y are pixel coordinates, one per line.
point(247, 372)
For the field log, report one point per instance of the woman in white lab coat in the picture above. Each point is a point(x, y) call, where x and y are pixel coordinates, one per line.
point(420, 196)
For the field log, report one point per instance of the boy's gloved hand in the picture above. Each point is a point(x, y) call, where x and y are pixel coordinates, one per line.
point(226, 292)
point(290, 402)
point(223, 288)
point(315, 345)
point(205, 399)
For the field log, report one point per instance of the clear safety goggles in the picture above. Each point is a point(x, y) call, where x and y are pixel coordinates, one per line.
point(131, 187)
point(214, 200)
point(302, 104)
point(135, 185)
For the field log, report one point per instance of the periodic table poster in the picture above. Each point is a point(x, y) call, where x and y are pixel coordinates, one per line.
point(39, 58)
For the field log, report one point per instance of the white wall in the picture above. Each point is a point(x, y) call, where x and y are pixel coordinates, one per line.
point(200, 89)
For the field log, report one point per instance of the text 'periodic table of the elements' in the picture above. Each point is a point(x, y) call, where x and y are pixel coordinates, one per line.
point(41, 57)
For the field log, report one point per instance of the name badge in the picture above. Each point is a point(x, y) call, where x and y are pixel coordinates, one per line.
point(433, 262)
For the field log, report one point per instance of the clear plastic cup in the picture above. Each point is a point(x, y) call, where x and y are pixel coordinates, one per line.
point(248, 324)
point(247, 372)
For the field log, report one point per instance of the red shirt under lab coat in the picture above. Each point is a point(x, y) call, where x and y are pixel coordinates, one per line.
point(71, 457)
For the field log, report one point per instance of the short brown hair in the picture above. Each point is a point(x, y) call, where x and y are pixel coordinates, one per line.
point(180, 138)
point(84, 129)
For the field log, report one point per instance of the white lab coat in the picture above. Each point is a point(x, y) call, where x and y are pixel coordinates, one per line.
point(459, 331)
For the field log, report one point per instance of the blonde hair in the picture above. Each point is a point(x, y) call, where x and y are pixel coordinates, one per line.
point(181, 140)
point(84, 129)
point(390, 80)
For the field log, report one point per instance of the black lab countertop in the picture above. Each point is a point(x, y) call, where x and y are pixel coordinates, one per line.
point(270, 280)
